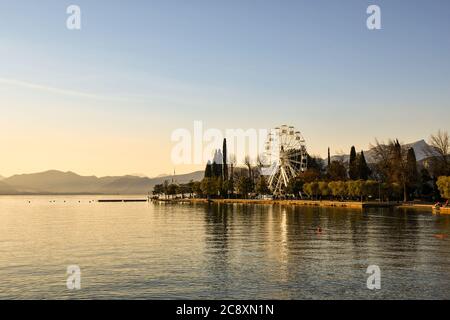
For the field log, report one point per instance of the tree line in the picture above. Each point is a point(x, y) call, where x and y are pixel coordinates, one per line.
point(392, 174)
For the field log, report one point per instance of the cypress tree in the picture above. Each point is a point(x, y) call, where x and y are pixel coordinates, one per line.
point(426, 184)
point(208, 170)
point(329, 158)
point(216, 170)
point(353, 165)
point(363, 170)
point(224, 162)
point(412, 174)
point(398, 167)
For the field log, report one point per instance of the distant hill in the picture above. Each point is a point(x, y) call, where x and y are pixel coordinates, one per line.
point(162, 175)
point(1, 178)
point(57, 182)
point(6, 189)
point(418, 146)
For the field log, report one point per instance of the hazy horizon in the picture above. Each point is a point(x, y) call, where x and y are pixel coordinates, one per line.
point(104, 100)
point(141, 175)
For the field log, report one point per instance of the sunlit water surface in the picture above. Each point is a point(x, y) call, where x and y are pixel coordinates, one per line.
point(148, 251)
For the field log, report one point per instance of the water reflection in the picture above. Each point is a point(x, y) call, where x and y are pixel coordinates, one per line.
point(137, 250)
point(295, 260)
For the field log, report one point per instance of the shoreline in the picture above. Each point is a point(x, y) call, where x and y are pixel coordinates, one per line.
point(112, 198)
point(314, 203)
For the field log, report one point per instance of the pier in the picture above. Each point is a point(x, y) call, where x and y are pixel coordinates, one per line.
point(122, 200)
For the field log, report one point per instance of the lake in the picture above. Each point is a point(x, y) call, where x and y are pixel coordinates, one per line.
point(200, 251)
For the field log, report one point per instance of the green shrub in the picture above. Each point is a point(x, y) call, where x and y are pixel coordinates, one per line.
point(443, 184)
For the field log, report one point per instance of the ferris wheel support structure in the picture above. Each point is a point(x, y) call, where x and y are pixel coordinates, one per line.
point(285, 152)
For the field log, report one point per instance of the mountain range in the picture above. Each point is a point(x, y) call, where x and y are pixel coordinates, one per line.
point(420, 148)
point(58, 182)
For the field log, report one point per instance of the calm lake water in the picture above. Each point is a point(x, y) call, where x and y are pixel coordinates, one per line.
point(148, 251)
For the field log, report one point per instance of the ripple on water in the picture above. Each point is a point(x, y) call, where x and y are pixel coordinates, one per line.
point(141, 250)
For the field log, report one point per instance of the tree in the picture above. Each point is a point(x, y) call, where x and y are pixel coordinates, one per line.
point(197, 188)
point(324, 190)
point(228, 187)
point(158, 189)
point(309, 175)
point(248, 163)
point(400, 167)
point(216, 169)
point(382, 155)
point(183, 189)
point(439, 153)
point(412, 174)
point(244, 186)
point(307, 189)
point(166, 187)
point(355, 189)
point(219, 187)
point(262, 186)
point(388, 191)
point(338, 189)
point(190, 186)
point(208, 170)
point(396, 190)
point(443, 183)
point(315, 163)
point(385, 191)
point(172, 189)
point(328, 158)
point(311, 189)
point(362, 169)
point(295, 186)
point(391, 164)
point(369, 188)
point(353, 165)
point(224, 162)
point(232, 165)
point(337, 171)
point(208, 186)
point(426, 184)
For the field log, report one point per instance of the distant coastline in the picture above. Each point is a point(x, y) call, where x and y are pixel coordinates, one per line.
point(54, 182)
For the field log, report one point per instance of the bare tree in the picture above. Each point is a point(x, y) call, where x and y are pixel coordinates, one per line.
point(438, 153)
point(339, 156)
point(382, 155)
point(248, 163)
point(260, 164)
point(232, 161)
point(381, 150)
point(391, 163)
point(440, 142)
point(260, 161)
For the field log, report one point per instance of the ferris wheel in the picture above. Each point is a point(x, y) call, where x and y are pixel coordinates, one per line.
point(285, 152)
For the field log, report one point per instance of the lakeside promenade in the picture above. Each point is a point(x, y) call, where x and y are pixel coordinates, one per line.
point(315, 203)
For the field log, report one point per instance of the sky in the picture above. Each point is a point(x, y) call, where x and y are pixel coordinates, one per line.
point(104, 100)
